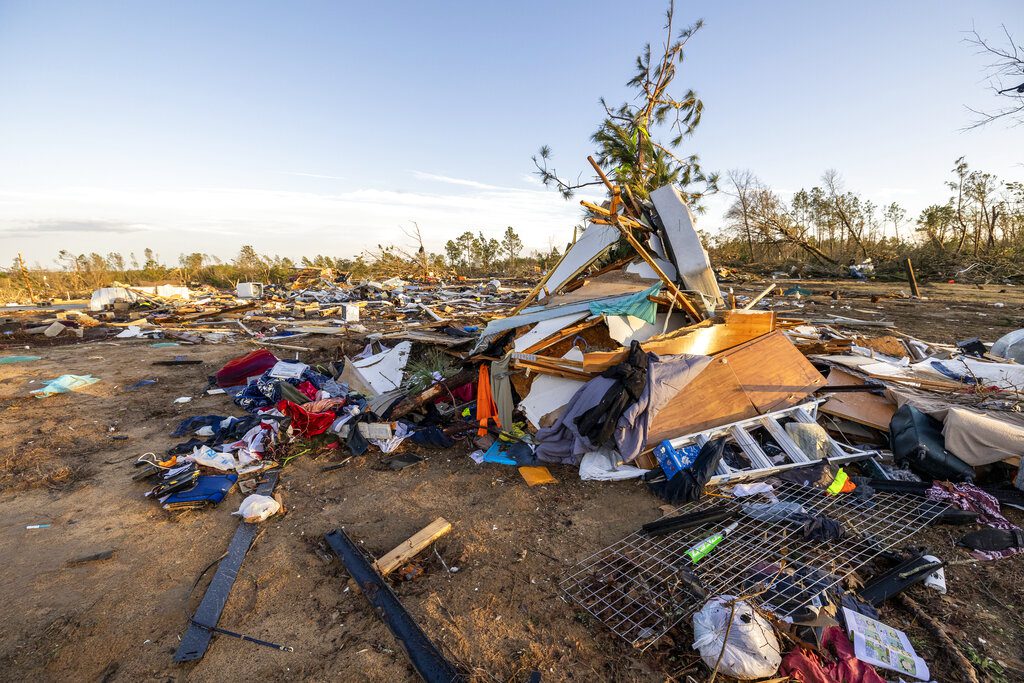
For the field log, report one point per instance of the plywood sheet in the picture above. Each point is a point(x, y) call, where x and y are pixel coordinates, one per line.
point(701, 339)
point(863, 408)
point(760, 376)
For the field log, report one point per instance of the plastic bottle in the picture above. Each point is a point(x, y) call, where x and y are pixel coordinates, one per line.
point(700, 551)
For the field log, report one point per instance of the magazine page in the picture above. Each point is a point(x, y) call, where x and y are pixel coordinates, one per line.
point(882, 645)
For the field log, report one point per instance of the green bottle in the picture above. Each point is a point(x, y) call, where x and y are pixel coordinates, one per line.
point(700, 551)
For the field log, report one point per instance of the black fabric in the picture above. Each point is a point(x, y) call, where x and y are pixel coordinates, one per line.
point(993, 539)
point(433, 437)
point(917, 442)
point(688, 485)
point(598, 423)
point(819, 475)
point(819, 527)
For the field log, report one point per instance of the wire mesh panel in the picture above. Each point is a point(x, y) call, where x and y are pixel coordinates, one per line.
point(645, 584)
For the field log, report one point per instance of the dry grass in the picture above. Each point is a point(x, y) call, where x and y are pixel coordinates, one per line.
point(20, 470)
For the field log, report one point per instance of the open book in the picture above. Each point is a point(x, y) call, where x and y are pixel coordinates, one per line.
point(884, 646)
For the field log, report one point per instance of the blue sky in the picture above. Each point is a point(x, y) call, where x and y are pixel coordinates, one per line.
point(323, 127)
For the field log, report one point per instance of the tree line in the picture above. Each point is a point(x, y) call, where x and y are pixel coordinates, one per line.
point(979, 220)
point(469, 255)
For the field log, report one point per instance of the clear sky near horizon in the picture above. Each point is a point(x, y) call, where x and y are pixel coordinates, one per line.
point(323, 127)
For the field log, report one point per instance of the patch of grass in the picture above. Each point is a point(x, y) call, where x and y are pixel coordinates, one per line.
point(985, 664)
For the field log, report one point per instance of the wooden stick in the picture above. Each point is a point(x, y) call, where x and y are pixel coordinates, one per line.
point(671, 286)
point(913, 280)
point(760, 296)
point(966, 668)
point(412, 546)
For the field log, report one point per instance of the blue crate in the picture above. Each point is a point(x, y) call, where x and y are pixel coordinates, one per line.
point(672, 460)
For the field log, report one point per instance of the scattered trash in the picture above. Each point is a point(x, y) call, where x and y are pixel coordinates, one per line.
point(256, 508)
point(64, 384)
point(5, 360)
point(735, 640)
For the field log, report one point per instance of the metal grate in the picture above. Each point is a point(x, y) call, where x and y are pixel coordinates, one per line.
point(637, 589)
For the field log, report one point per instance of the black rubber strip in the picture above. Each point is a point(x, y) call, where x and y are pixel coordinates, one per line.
point(667, 525)
point(884, 586)
point(424, 655)
point(197, 639)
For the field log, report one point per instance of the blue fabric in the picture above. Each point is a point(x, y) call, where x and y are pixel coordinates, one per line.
point(265, 390)
point(209, 488)
point(636, 305)
point(191, 424)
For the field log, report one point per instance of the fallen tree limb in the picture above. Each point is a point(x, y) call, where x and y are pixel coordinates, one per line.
point(966, 668)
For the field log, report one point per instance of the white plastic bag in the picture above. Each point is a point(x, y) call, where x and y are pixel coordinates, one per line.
point(752, 650)
point(257, 508)
point(207, 457)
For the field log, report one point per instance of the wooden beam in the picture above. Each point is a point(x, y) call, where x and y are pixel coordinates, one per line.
point(760, 296)
point(412, 546)
point(913, 280)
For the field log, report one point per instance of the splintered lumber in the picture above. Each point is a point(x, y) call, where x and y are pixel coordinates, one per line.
point(753, 302)
point(412, 546)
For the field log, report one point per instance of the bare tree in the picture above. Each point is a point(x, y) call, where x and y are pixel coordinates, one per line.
point(743, 183)
point(841, 205)
point(1005, 72)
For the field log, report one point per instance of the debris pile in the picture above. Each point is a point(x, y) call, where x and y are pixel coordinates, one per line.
point(796, 457)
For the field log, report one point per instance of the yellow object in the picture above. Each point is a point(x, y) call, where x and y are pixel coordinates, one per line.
point(841, 484)
point(536, 476)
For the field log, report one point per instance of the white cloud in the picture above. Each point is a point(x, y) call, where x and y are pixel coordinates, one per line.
point(310, 175)
point(176, 220)
point(455, 181)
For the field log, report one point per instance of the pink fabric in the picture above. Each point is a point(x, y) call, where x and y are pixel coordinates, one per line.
point(324, 405)
point(806, 667)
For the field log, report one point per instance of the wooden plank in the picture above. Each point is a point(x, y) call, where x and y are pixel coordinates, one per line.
point(412, 546)
point(865, 409)
point(702, 339)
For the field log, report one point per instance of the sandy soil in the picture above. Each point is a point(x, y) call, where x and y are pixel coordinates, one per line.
point(499, 616)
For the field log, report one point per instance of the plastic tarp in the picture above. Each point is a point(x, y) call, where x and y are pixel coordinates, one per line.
point(636, 305)
point(64, 384)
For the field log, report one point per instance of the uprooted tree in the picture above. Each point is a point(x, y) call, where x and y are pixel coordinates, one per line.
point(629, 146)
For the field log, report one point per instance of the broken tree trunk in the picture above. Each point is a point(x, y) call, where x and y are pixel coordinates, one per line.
point(411, 403)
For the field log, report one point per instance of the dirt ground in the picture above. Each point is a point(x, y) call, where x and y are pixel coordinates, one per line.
point(64, 462)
